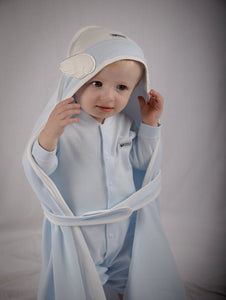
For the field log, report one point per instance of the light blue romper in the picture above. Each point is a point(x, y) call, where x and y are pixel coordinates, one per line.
point(96, 173)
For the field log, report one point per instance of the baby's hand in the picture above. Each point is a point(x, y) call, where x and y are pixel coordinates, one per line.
point(151, 111)
point(59, 118)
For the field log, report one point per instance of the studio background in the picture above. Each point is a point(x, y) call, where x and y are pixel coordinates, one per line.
point(184, 43)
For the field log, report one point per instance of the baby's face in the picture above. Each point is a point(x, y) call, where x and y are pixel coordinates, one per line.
point(108, 92)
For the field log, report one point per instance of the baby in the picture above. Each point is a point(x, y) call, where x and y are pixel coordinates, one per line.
point(91, 173)
point(88, 163)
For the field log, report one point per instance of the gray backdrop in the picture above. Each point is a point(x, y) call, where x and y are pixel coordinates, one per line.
point(184, 44)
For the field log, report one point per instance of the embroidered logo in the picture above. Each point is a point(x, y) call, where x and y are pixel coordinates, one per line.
point(125, 144)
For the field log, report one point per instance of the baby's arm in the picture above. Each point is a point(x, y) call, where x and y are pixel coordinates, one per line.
point(144, 145)
point(47, 160)
point(149, 131)
point(44, 148)
point(57, 122)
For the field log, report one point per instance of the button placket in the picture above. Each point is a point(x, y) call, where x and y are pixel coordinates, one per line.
point(109, 166)
point(108, 163)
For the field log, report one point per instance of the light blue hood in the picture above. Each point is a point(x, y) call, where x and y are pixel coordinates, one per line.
point(153, 274)
point(93, 48)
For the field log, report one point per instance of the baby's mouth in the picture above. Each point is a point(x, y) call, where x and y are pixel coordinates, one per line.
point(104, 108)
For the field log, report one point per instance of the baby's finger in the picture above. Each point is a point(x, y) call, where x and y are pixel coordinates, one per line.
point(65, 101)
point(66, 105)
point(153, 93)
point(66, 122)
point(68, 113)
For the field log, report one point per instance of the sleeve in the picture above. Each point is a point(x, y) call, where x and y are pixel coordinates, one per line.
point(47, 161)
point(144, 145)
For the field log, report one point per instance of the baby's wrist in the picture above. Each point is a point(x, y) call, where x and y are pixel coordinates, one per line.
point(47, 142)
point(151, 123)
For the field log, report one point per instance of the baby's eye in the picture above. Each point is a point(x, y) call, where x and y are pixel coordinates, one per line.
point(122, 87)
point(97, 83)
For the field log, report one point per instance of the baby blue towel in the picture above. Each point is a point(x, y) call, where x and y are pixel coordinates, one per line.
point(68, 271)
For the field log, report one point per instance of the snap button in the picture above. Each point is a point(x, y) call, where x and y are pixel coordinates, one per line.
point(111, 235)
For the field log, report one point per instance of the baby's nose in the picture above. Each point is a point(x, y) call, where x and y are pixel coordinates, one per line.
point(108, 94)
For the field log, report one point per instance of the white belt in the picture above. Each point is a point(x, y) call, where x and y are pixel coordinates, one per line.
point(119, 212)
